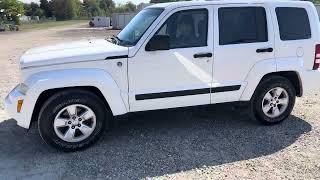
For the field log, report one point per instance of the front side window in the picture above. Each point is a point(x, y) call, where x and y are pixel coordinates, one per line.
point(238, 25)
point(132, 33)
point(293, 23)
point(187, 28)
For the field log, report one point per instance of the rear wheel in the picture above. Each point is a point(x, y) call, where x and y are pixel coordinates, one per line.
point(273, 100)
point(73, 119)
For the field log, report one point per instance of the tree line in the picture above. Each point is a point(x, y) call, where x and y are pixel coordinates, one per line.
point(11, 10)
point(68, 9)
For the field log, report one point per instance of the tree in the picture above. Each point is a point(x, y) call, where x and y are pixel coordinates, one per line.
point(92, 7)
point(34, 8)
point(128, 7)
point(27, 9)
point(46, 7)
point(39, 12)
point(71, 9)
point(107, 6)
point(11, 10)
point(66, 9)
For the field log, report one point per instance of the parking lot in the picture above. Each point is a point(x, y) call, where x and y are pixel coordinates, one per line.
point(213, 142)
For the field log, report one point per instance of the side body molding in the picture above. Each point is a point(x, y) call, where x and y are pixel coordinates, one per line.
point(98, 78)
point(256, 73)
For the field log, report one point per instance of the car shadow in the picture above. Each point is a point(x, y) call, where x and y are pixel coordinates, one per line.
point(150, 144)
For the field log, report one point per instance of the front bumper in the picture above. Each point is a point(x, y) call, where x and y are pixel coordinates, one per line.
point(11, 102)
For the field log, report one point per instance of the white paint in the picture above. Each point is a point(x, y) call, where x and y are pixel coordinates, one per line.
point(83, 64)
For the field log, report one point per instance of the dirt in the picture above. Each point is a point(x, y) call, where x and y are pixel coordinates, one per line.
point(216, 142)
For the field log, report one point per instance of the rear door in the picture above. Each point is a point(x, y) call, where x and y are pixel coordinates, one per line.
point(243, 37)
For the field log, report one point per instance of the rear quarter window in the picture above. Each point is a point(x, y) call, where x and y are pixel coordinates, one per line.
point(293, 23)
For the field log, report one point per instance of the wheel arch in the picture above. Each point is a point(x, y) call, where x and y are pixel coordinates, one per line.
point(49, 92)
point(271, 67)
point(43, 84)
point(292, 76)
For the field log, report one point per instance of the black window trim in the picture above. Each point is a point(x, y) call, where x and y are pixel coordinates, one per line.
point(266, 18)
point(310, 37)
point(186, 10)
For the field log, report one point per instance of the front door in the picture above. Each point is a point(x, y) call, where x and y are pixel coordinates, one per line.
point(178, 77)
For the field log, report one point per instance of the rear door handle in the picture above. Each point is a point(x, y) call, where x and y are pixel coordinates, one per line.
point(201, 55)
point(263, 50)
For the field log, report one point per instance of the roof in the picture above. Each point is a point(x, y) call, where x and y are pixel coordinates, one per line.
point(212, 2)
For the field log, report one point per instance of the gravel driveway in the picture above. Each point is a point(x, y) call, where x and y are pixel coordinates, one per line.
point(213, 142)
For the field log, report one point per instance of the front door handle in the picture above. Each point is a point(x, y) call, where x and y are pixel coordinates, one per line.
point(263, 50)
point(201, 55)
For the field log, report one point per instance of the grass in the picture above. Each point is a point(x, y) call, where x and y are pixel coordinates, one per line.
point(50, 24)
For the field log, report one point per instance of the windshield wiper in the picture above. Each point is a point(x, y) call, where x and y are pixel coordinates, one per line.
point(122, 42)
point(116, 38)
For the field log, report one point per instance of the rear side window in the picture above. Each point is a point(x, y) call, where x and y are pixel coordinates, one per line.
point(239, 25)
point(293, 23)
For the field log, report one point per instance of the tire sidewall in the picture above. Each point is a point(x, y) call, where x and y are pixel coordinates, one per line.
point(59, 101)
point(265, 87)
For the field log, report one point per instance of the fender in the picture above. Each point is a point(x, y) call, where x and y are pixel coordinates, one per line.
point(262, 68)
point(256, 73)
point(98, 78)
point(295, 64)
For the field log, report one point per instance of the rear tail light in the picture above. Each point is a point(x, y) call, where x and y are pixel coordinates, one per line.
point(316, 64)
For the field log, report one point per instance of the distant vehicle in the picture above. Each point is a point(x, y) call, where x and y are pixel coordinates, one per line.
point(100, 21)
point(172, 55)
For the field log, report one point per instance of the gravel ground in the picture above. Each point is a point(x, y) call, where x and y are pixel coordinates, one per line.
point(216, 142)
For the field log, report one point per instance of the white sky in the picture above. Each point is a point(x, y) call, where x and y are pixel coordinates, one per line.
point(116, 1)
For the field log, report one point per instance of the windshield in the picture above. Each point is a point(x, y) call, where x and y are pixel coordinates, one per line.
point(132, 33)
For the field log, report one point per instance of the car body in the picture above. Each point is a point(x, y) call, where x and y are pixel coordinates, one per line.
point(144, 68)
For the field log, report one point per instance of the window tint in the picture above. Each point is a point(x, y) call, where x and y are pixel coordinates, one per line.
point(187, 28)
point(242, 25)
point(293, 23)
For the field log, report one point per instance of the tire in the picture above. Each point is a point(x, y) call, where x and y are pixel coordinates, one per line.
point(260, 102)
point(89, 119)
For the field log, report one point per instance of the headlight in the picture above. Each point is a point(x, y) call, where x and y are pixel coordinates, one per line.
point(23, 88)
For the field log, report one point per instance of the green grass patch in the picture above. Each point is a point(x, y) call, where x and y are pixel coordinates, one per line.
point(49, 24)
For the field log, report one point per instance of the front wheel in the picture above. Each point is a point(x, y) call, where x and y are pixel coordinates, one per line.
point(273, 100)
point(73, 119)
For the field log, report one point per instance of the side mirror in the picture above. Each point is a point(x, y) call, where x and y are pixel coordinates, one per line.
point(158, 42)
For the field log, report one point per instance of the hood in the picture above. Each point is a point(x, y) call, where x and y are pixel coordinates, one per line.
point(86, 50)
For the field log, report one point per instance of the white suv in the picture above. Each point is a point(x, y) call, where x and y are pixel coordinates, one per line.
point(172, 55)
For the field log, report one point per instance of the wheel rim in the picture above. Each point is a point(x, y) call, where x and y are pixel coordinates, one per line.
point(275, 102)
point(74, 123)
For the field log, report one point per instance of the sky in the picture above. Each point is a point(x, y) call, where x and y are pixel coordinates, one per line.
point(116, 1)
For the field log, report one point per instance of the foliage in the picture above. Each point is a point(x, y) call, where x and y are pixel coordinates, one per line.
point(33, 9)
point(107, 6)
point(128, 7)
point(66, 9)
point(39, 12)
point(46, 7)
point(92, 7)
point(12, 9)
point(316, 1)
